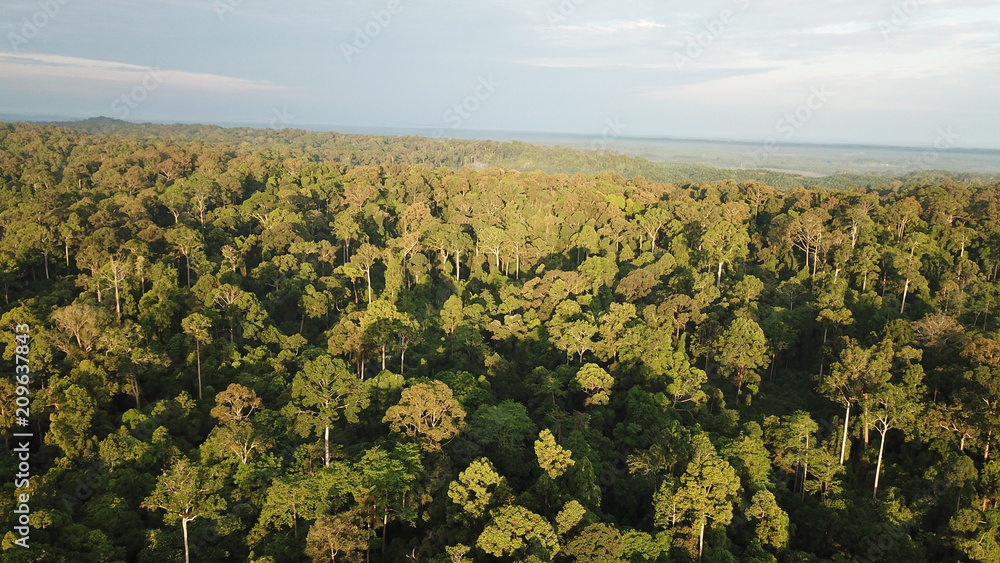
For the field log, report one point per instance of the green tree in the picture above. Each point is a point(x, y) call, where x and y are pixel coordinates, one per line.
point(792, 439)
point(515, 530)
point(198, 327)
point(724, 242)
point(476, 487)
point(896, 406)
point(188, 243)
point(597, 543)
point(186, 492)
point(705, 493)
point(331, 536)
point(429, 413)
point(596, 383)
point(742, 349)
point(322, 391)
point(847, 379)
point(770, 521)
point(553, 458)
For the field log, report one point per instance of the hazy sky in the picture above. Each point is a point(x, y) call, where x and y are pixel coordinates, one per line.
point(868, 71)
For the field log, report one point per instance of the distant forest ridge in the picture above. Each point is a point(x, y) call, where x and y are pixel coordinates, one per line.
point(355, 149)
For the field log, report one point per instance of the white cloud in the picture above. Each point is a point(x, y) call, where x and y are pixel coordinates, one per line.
point(610, 27)
point(35, 66)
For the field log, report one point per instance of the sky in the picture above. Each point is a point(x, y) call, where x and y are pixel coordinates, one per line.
point(922, 73)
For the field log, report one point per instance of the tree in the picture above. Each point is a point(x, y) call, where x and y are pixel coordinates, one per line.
point(742, 349)
point(686, 380)
point(188, 243)
point(596, 383)
point(475, 488)
point(597, 543)
point(237, 440)
point(723, 243)
point(236, 403)
point(771, 522)
point(384, 323)
point(116, 271)
point(186, 492)
point(855, 371)
point(553, 458)
point(806, 232)
point(704, 494)
point(70, 427)
point(384, 484)
point(321, 391)
point(330, 536)
point(908, 265)
point(429, 413)
point(364, 259)
point(895, 406)
point(199, 327)
point(792, 438)
point(517, 530)
point(293, 496)
point(505, 429)
point(85, 322)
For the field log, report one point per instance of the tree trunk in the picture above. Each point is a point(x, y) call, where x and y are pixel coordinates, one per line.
point(843, 441)
point(187, 554)
point(864, 421)
point(368, 279)
point(326, 446)
point(805, 469)
point(906, 288)
point(878, 466)
point(718, 276)
point(197, 348)
point(385, 525)
point(701, 540)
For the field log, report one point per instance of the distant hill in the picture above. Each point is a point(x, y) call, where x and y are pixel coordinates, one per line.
point(96, 125)
point(458, 153)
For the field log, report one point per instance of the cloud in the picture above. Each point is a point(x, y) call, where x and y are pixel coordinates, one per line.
point(610, 27)
point(34, 66)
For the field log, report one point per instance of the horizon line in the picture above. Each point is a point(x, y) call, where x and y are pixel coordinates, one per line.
point(333, 128)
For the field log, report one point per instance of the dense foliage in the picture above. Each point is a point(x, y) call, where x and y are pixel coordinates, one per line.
point(260, 351)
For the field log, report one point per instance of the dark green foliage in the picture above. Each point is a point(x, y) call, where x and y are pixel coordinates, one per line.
point(301, 345)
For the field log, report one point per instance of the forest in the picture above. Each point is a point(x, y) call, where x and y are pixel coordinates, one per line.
point(287, 346)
